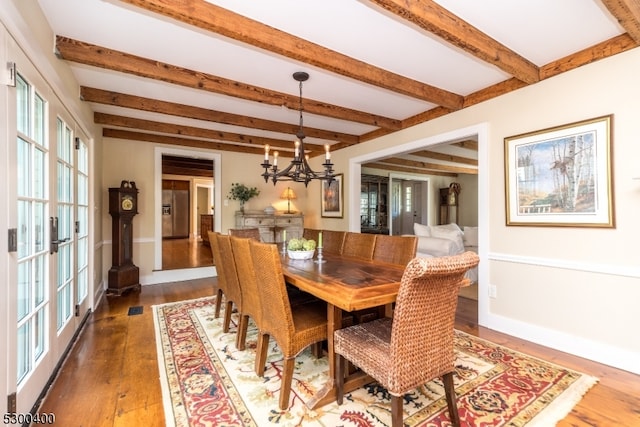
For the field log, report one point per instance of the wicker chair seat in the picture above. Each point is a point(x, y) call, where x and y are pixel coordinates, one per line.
point(369, 345)
point(417, 345)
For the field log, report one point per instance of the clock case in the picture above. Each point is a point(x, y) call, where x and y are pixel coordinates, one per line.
point(123, 206)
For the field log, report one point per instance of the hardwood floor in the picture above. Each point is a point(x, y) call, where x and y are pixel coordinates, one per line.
point(185, 253)
point(111, 375)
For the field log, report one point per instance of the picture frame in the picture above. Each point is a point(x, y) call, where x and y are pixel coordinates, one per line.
point(561, 176)
point(331, 202)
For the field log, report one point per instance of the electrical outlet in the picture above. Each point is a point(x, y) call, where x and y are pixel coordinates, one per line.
point(493, 291)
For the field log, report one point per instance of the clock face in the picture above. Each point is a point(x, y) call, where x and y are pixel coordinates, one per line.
point(127, 203)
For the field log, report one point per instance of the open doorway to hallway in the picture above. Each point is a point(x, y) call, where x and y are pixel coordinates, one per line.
point(187, 211)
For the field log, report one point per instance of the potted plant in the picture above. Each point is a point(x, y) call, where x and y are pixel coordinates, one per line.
point(243, 193)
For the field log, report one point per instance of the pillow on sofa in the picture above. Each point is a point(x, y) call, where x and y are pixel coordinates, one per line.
point(436, 247)
point(421, 230)
point(470, 236)
point(449, 234)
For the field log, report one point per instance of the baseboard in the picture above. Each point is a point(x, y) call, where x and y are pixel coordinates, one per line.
point(164, 276)
point(587, 349)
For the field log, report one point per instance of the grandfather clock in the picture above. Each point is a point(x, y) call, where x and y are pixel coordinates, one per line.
point(123, 206)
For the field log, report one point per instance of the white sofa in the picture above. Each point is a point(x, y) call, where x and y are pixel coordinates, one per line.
point(448, 239)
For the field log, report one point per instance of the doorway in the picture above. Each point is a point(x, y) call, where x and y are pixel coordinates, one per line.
point(409, 199)
point(480, 133)
point(187, 251)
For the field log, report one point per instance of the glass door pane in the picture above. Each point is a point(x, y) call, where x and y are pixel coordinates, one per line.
point(65, 276)
point(32, 206)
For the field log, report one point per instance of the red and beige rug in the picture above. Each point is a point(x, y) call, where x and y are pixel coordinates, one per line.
point(206, 381)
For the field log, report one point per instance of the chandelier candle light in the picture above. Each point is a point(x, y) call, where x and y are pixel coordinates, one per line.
point(299, 169)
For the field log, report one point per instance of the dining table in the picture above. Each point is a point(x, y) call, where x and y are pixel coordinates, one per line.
point(346, 284)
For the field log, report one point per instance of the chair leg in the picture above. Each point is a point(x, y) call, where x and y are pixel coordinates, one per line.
point(450, 394)
point(340, 362)
point(316, 348)
point(261, 353)
point(287, 378)
point(227, 316)
point(396, 411)
point(218, 303)
point(241, 339)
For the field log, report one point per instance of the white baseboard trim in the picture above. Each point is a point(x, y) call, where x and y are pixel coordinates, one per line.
point(164, 276)
point(587, 349)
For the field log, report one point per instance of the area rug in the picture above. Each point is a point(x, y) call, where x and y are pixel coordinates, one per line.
point(206, 381)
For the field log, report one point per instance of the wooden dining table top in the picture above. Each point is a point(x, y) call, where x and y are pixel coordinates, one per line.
point(349, 283)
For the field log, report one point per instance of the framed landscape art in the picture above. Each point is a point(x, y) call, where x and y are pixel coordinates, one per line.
point(331, 203)
point(561, 177)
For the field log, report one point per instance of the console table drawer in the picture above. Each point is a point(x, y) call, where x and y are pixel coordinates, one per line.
point(249, 222)
point(289, 222)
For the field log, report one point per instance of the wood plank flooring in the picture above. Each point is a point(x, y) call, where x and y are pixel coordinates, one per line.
point(111, 375)
point(185, 253)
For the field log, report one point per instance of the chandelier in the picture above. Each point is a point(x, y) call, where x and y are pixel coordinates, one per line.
point(299, 169)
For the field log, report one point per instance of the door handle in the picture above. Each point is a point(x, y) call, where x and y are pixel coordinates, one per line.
point(55, 241)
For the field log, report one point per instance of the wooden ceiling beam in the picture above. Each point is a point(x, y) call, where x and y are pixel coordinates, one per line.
point(468, 144)
point(445, 157)
point(437, 20)
point(431, 166)
point(184, 142)
point(181, 110)
point(216, 19)
point(393, 168)
point(169, 128)
point(627, 12)
point(102, 57)
point(591, 54)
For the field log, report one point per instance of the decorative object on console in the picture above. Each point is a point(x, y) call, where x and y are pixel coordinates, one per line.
point(299, 169)
point(288, 194)
point(243, 193)
point(561, 176)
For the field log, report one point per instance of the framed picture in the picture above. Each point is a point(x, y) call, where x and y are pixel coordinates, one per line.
point(561, 177)
point(331, 203)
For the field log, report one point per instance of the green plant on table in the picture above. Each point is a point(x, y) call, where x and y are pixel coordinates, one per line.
point(242, 192)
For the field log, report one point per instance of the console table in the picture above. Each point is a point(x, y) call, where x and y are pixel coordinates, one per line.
point(271, 226)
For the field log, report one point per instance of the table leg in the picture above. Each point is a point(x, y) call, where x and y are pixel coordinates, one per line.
point(327, 393)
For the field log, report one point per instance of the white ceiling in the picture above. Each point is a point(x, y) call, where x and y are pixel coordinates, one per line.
point(541, 31)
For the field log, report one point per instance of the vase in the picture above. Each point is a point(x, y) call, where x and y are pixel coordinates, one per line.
point(242, 206)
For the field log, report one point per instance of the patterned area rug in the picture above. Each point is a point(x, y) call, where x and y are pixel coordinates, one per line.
point(206, 381)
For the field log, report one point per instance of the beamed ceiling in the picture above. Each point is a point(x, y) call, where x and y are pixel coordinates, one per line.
point(218, 74)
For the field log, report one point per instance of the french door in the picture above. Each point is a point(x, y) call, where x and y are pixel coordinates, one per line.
point(48, 267)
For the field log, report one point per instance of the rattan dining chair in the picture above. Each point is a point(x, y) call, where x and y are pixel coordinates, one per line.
point(415, 346)
point(311, 234)
point(251, 233)
point(359, 245)
point(251, 305)
point(228, 284)
point(293, 328)
point(333, 241)
point(395, 249)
